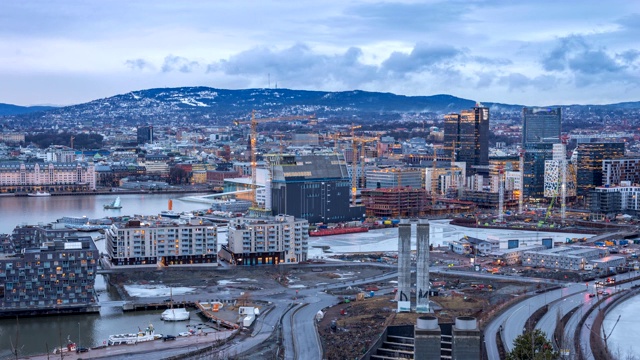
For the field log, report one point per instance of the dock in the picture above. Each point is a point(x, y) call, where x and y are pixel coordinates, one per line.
point(207, 310)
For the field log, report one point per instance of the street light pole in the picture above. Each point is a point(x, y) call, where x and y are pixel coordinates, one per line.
point(77, 347)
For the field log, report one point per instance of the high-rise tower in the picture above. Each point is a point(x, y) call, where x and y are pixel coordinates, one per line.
point(468, 134)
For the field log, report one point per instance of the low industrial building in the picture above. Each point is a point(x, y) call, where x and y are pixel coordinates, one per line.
point(608, 262)
point(564, 257)
point(513, 256)
point(471, 245)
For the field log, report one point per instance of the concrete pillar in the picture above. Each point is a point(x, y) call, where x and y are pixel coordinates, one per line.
point(465, 340)
point(427, 335)
point(404, 267)
point(422, 271)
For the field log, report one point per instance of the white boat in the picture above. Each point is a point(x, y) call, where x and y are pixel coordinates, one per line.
point(187, 216)
point(141, 336)
point(39, 194)
point(114, 205)
point(177, 314)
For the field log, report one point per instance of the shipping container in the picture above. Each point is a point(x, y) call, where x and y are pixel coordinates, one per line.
point(512, 244)
point(548, 243)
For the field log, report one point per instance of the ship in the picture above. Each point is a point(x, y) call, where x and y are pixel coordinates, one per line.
point(115, 204)
point(39, 194)
point(338, 231)
point(70, 347)
point(128, 339)
point(170, 213)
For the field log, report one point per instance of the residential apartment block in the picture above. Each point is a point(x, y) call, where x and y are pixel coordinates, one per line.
point(56, 277)
point(616, 171)
point(152, 240)
point(266, 240)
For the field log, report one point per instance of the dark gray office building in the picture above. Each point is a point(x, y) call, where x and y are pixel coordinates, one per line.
point(535, 155)
point(313, 187)
point(468, 134)
point(540, 130)
point(541, 125)
point(144, 134)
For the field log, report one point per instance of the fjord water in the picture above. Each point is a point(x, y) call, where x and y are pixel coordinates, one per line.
point(38, 335)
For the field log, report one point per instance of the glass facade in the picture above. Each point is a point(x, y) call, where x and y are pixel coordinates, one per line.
point(541, 125)
point(468, 132)
point(590, 159)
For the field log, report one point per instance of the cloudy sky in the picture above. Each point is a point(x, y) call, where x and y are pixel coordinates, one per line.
point(536, 52)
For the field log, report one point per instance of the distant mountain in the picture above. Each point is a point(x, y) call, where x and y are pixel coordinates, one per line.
point(8, 109)
point(210, 106)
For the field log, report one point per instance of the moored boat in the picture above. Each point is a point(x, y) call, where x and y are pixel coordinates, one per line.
point(115, 204)
point(39, 194)
point(338, 231)
point(70, 347)
point(177, 314)
point(141, 336)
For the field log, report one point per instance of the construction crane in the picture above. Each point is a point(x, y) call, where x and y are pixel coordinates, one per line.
point(254, 141)
point(434, 186)
point(363, 141)
point(354, 163)
point(501, 193)
point(521, 194)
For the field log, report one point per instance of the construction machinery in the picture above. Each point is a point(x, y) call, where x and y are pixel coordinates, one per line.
point(254, 141)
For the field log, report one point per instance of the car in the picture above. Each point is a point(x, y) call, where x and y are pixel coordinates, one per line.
point(605, 293)
point(82, 350)
point(591, 295)
point(168, 338)
point(600, 292)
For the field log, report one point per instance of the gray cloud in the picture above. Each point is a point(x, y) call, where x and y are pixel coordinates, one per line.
point(178, 63)
point(139, 64)
point(518, 81)
point(420, 58)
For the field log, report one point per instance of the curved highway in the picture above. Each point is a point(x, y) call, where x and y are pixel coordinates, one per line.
point(557, 310)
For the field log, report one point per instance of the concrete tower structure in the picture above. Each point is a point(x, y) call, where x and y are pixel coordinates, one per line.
point(466, 339)
point(422, 271)
point(427, 338)
point(404, 267)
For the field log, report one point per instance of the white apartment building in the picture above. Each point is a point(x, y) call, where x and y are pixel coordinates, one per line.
point(152, 240)
point(266, 240)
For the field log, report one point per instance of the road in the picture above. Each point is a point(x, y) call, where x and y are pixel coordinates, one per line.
point(519, 315)
point(557, 310)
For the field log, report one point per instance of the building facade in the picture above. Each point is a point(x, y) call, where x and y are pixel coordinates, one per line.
point(312, 187)
point(152, 241)
point(20, 177)
point(590, 163)
point(467, 134)
point(58, 276)
point(608, 201)
point(144, 134)
point(394, 178)
point(395, 202)
point(614, 172)
point(266, 240)
point(541, 124)
point(535, 157)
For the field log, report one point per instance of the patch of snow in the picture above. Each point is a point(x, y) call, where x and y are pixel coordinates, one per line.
point(226, 282)
point(155, 290)
point(300, 286)
point(192, 102)
point(246, 279)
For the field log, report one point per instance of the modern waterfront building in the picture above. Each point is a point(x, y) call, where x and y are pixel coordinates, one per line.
point(56, 277)
point(553, 174)
point(266, 240)
point(467, 134)
point(21, 177)
point(153, 240)
point(312, 187)
point(541, 124)
point(614, 172)
point(590, 162)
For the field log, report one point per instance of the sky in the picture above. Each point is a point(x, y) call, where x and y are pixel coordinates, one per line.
point(535, 52)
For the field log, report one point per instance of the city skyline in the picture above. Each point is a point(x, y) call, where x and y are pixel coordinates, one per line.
point(529, 53)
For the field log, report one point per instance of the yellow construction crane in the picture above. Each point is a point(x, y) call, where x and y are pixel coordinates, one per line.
point(354, 164)
point(254, 141)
